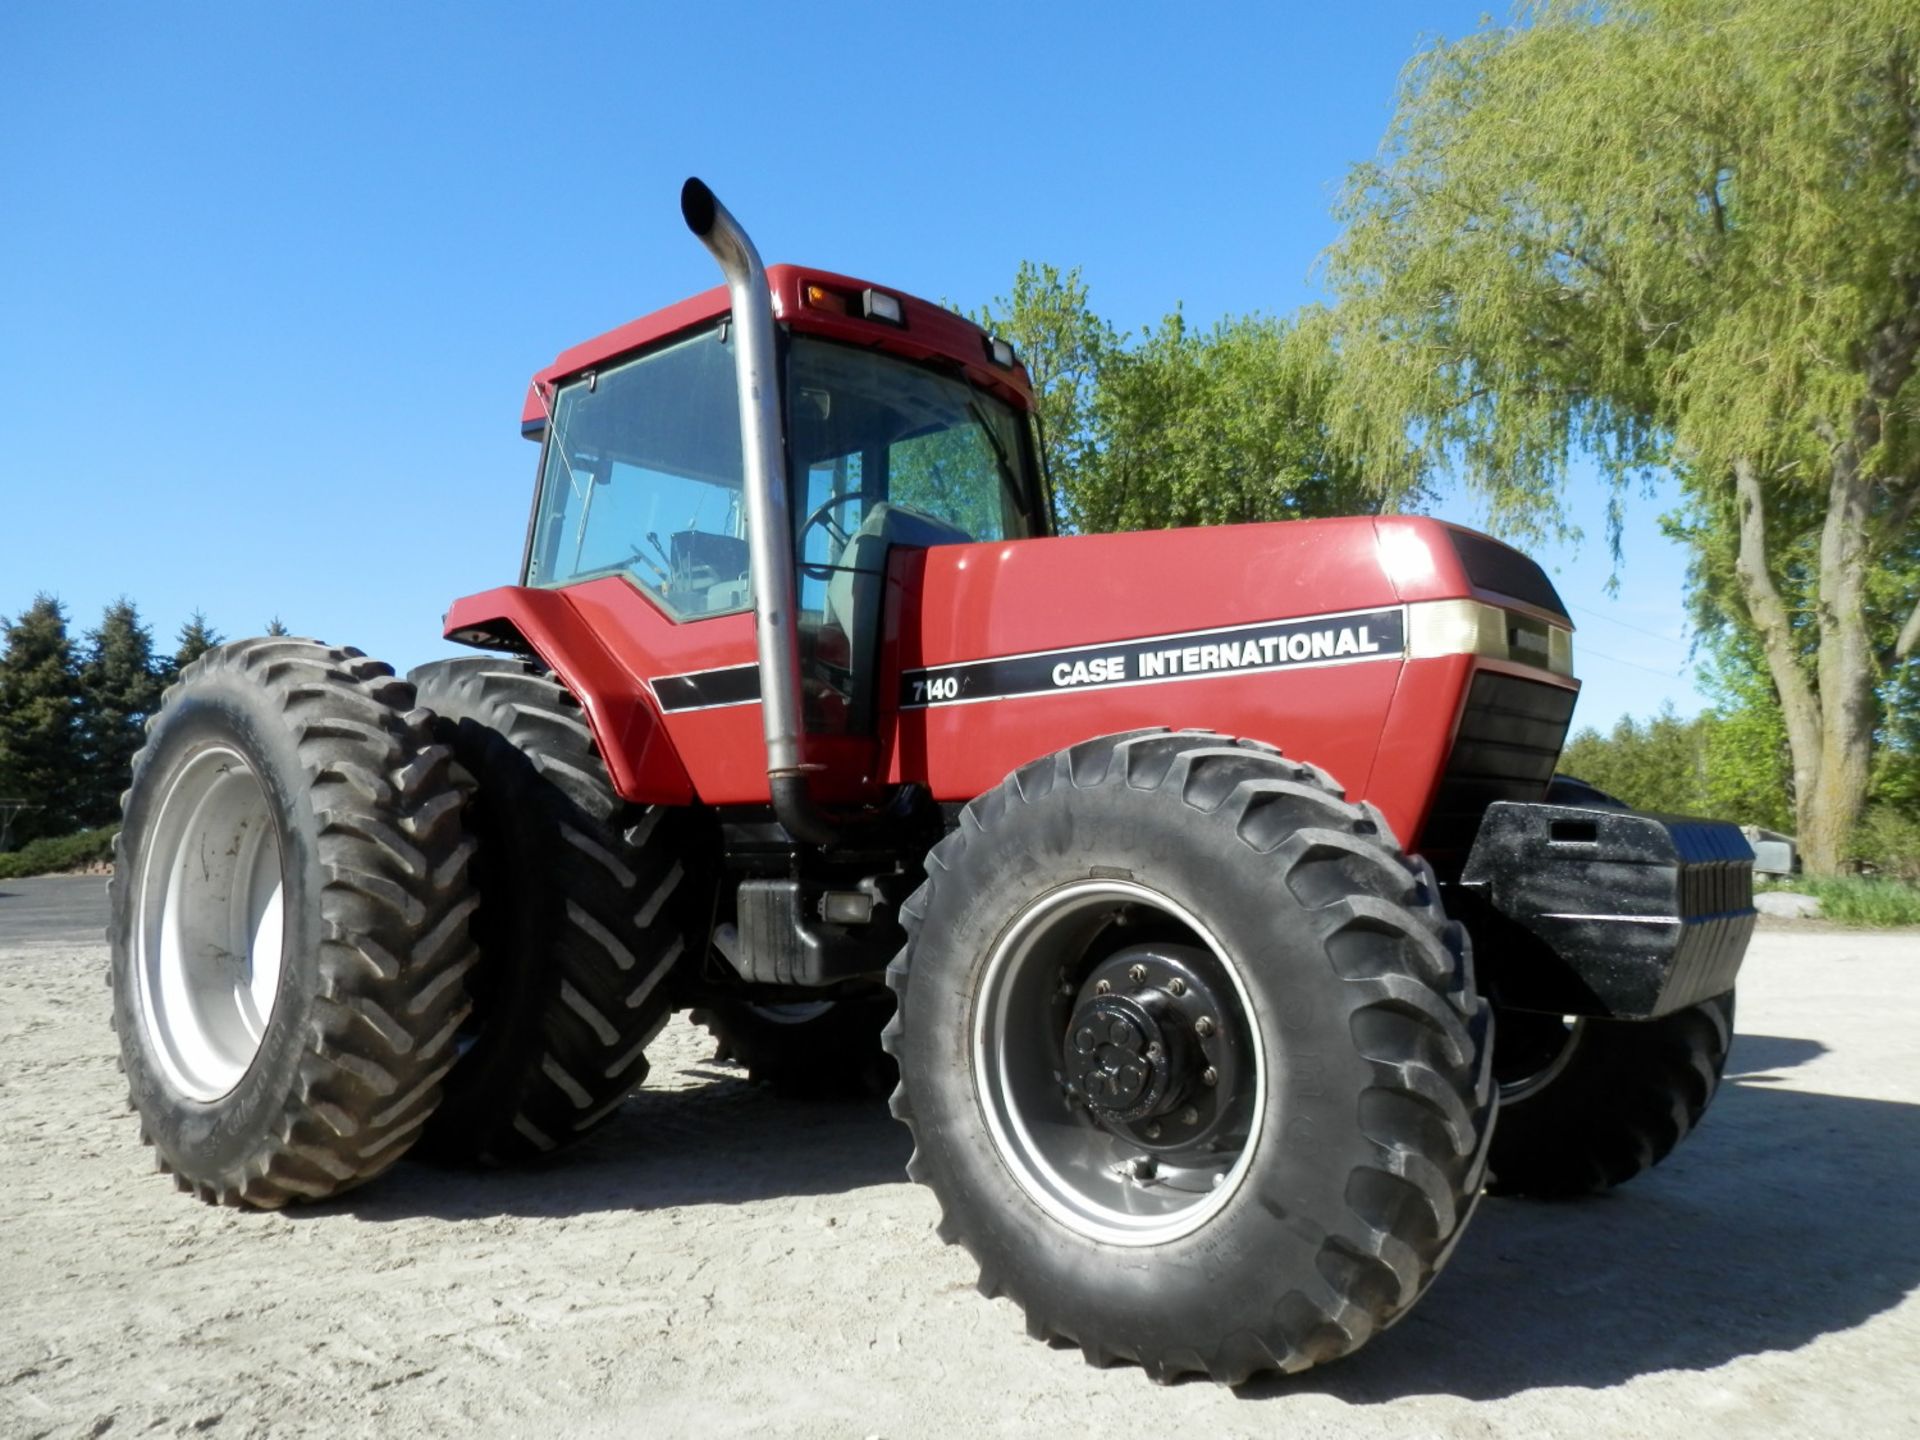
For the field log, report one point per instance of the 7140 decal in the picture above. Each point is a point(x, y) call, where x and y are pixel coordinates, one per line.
point(930, 689)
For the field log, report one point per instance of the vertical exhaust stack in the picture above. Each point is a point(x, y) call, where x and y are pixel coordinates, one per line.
point(769, 528)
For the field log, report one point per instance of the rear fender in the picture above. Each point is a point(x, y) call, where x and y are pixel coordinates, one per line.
point(640, 756)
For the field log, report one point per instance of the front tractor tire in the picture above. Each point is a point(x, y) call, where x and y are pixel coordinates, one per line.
point(1192, 1060)
point(1586, 1105)
point(582, 917)
point(808, 1050)
point(289, 923)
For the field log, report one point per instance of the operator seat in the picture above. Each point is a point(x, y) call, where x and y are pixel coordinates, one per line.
point(858, 588)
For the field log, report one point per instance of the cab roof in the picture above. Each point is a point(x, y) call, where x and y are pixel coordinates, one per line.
point(819, 302)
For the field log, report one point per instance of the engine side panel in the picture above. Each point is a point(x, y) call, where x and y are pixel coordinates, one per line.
point(995, 654)
point(1127, 631)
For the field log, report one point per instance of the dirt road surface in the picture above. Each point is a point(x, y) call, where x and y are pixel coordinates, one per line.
point(718, 1262)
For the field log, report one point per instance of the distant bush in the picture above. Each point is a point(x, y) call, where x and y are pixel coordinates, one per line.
point(1858, 899)
point(1888, 843)
point(61, 853)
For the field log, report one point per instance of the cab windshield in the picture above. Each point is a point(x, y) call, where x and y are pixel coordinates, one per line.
point(885, 453)
point(866, 429)
point(642, 477)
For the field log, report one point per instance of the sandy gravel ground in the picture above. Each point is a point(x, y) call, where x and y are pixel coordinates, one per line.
point(719, 1262)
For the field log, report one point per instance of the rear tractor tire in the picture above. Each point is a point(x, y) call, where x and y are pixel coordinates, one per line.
point(1193, 1062)
point(289, 923)
point(582, 918)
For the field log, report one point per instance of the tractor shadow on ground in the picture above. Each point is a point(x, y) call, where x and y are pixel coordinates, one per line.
point(1786, 1217)
point(717, 1140)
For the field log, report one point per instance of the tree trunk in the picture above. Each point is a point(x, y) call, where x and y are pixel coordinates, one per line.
point(1799, 705)
point(1846, 674)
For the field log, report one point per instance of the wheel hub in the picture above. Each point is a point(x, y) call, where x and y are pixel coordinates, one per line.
point(1113, 1141)
point(1117, 1057)
point(1145, 1051)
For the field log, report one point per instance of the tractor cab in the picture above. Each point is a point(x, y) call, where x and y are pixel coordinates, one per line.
point(905, 426)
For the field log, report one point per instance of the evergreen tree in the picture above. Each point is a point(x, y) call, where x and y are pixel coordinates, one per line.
point(120, 686)
point(196, 638)
point(39, 721)
point(1656, 764)
point(276, 626)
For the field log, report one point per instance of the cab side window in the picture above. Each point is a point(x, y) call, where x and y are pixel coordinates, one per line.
point(642, 477)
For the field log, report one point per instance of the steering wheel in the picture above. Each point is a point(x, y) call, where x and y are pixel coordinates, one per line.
point(822, 515)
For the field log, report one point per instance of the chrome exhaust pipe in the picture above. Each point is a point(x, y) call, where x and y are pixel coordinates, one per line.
point(770, 546)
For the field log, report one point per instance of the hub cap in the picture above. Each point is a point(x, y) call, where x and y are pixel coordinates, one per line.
point(1116, 1066)
point(208, 929)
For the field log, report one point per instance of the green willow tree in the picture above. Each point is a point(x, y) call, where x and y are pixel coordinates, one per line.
point(1220, 427)
point(1673, 232)
point(1186, 426)
point(1066, 348)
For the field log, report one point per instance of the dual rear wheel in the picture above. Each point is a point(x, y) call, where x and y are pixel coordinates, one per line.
point(353, 915)
point(289, 923)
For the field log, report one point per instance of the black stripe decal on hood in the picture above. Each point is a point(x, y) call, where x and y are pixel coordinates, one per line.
point(1242, 649)
point(1190, 655)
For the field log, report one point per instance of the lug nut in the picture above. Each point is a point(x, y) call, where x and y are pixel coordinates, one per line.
point(1121, 1033)
point(1177, 986)
point(1138, 974)
point(1209, 1076)
point(1203, 1027)
point(1101, 987)
point(1152, 1132)
point(1153, 1050)
point(1189, 1116)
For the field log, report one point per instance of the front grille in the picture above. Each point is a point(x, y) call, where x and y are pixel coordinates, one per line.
point(1507, 745)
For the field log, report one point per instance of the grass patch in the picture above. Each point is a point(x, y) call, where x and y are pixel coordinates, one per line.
point(1857, 899)
point(62, 853)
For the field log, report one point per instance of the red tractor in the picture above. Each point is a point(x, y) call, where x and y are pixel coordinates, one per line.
point(1130, 858)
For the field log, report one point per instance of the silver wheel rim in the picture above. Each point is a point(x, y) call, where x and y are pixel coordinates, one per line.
point(1525, 1085)
point(209, 931)
point(1082, 1175)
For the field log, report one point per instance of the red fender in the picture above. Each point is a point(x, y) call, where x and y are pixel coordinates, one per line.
point(640, 756)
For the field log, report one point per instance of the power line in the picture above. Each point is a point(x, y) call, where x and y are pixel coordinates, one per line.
point(1651, 670)
point(1623, 624)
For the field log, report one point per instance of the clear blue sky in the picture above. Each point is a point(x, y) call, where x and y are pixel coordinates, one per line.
point(273, 277)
